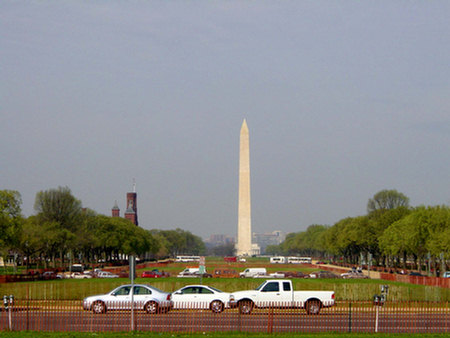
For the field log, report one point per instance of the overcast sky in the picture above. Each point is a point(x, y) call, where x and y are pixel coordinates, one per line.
point(342, 99)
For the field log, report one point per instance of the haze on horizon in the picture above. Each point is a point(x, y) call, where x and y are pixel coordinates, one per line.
point(342, 99)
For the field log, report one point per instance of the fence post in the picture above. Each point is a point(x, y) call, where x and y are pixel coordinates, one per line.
point(270, 320)
point(28, 308)
point(350, 317)
point(8, 303)
point(376, 318)
point(132, 271)
point(239, 321)
point(11, 298)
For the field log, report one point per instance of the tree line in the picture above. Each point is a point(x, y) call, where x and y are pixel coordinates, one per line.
point(62, 231)
point(391, 234)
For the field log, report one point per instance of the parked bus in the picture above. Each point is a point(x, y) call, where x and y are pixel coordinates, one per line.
point(278, 260)
point(185, 259)
point(299, 260)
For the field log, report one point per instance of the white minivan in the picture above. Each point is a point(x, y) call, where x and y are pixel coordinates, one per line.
point(192, 272)
point(252, 272)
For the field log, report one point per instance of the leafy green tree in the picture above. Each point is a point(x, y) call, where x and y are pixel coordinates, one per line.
point(175, 241)
point(10, 216)
point(32, 242)
point(437, 220)
point(380, 221)
point(394, 241)
point(10, 221)
point(60, 206)
point(194, 244)
point(341, 240)
point(59, 214)
point(106, 238)
point(387, 199)
point(182, 242)
point(425, 230)
point(309, 243)
point(87, 242)
point(10, 202)
point(163, 245)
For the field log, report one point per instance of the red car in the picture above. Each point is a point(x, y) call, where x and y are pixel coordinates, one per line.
point(154, 274)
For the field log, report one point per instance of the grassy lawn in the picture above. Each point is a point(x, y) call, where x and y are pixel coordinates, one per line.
point(345, 290)
point(207, 334)
point(354, 290)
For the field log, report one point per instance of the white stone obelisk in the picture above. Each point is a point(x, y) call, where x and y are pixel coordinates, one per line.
point(244, 239)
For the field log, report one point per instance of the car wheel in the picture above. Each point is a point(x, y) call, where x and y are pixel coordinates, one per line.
point(245, 307)
point(216, 306)
point(98, 307)
point(313, 307)
point(151, 307)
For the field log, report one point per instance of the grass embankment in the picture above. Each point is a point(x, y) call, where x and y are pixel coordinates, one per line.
point(349, 290)
point(345, 290)
point(34, 334)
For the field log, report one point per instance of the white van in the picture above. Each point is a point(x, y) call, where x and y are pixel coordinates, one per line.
point(189, 272)
point(253, 272)
point(278, 260)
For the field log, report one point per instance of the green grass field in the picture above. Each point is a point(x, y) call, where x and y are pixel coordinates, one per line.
point(350, 290)
point(345, 290)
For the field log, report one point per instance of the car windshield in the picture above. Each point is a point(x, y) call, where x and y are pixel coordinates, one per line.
point(259, 287)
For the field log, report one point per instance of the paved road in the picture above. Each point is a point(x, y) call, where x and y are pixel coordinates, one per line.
point(412, 321)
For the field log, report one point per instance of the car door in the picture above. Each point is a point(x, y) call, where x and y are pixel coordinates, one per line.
point(186, 298)
point(141, 295)
point(120, 298)
point(204, 297)
point(271, 294)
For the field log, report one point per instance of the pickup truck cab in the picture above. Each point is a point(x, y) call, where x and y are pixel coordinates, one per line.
point(280, 294)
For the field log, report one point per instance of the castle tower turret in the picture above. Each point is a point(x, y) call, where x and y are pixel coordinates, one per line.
point(115, 210)
point(131, 212)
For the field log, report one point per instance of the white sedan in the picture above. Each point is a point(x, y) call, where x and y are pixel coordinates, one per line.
point(106, 274)
point(145, 297)
point(79, 275)
point(200, 297)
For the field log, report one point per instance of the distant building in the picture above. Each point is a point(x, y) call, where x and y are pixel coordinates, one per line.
point(272, 238)
point(131, 211)
point(217, 240)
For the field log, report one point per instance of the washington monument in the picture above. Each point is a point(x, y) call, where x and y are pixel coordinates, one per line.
point(244, 245)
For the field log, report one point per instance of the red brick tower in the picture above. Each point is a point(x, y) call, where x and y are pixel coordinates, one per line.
point(131, 212)
point(115, 210)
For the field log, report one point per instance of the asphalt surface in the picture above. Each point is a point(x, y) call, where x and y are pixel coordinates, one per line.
point(330, 320)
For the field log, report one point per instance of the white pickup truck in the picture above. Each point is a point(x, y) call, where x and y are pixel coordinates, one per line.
point(280, 294)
